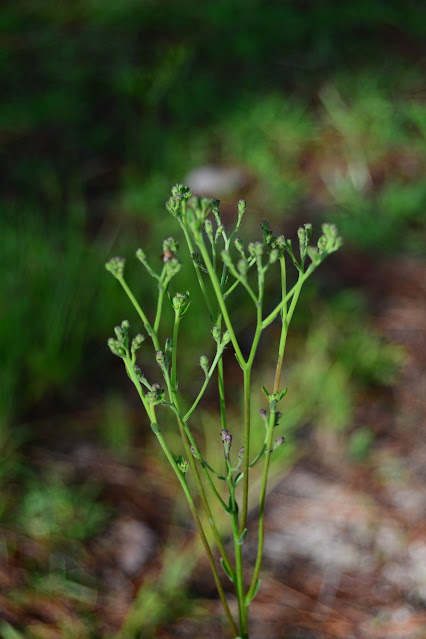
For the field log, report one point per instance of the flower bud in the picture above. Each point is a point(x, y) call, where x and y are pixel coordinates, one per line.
point(278, 442)
point(209, 230)
point(239, 246)
point(267, 233)
point(160, 358)
point(137, 342)
point(322, 244)
point(273, 256)
point(241, 452)
point(242, 267)
point(219, 232)
point(204, 363)
point(255, 249)
point(216, 333)
point(226, 258)
point(241, 210)
point(227, 441)
point(182, 464)
point(263, 414)
point(226, 338)
point(140, 376)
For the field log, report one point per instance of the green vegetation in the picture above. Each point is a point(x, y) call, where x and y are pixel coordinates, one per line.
point(222, 262)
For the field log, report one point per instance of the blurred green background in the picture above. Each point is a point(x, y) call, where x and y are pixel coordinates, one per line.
point(310, 111)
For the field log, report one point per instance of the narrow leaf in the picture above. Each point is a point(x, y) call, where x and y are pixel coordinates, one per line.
point(255, 591)
point(242, 537)
point(226, 569)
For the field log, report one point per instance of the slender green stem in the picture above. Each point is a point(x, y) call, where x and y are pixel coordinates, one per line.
point(141, 314)
point(302, 278)
point(150, 409)
point(239, 575)
point(217, 360)
point(247, 415)
point(197, 271)
point(174, 350)
point(221, 387)
point(160, 300)
point(182, 479)
point(188, 440)
point(261, 529)
point(219, 297)
point(284, 327)
point(286, 319)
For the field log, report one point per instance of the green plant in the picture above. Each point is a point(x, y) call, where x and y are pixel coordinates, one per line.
point(219, 273)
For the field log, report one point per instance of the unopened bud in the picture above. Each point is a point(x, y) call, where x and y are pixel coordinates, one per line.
point(278, 442)
point(159, 356)
point(216, 333)
point(241, 452)
point(263, 413)
point(209, 230)
point(137, 342)
point(255, 249)
point(226, 258)
point(267, 233)
point(227, 441)
point(226, 338)
point(182, 464)
point(241, 210)
point(204, 363)
point(239, 246)
point(273, 256)
point(322, 244)
point(242, 267)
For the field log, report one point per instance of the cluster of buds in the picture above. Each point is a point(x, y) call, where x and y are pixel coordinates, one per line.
point(180, 303)
point(180, 193)
point(116, 266)
point(182, 464)
point(304, 233)
point(329, 242)
point(255, 249)
point(155, 395)
point(137, 343)
point(221, 339)
point(120, 345)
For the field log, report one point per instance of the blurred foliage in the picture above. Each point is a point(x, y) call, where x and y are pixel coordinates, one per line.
point(54, 511)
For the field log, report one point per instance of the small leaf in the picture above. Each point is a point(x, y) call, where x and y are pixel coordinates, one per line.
point(266, 392)
point(255, 591)
point(238, 478)
point(226, 569)
point(155, 428)
point(240, 362)
point(242, 537)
